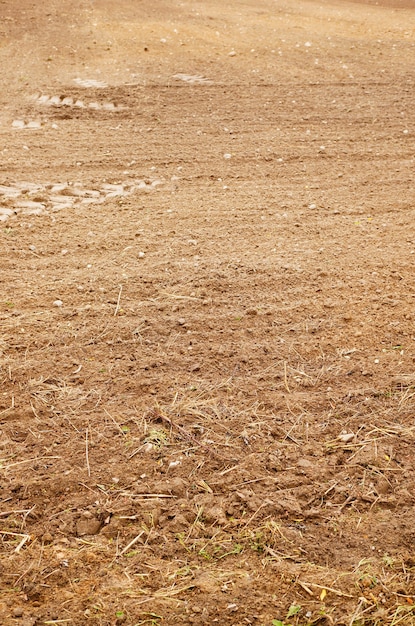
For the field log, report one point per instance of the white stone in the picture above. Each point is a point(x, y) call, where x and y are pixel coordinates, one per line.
point(346, 437)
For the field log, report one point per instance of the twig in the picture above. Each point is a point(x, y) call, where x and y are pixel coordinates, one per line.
point(285, 377)
point(277, 555)
point(7, 513)
point(132, 542)
point(23, 541)
point(349, 499)
point(136, 451)
point(115, 421)
point(39, 458)
point(265, 503)
point(118, 301)
point(305, 587)
point(229, 469)
point(185, 433)
point(362, 602)
point(31, 566)
point(87, 453)
point(338, 593)
point(146, 495)
point(179, 297)
point(12, 404)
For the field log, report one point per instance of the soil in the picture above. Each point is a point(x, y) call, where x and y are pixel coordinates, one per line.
point(207, 312)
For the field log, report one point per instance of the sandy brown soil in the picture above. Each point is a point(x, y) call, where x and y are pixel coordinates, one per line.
point(207, 312)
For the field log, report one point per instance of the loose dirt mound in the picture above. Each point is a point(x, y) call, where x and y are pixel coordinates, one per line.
point(207, 387)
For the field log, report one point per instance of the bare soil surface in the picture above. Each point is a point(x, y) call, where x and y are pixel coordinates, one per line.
point(207, 312)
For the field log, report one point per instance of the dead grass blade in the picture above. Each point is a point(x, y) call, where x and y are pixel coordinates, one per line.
point(25, 538)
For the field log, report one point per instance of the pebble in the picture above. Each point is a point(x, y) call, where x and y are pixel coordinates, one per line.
point(346, 437)
point(58, 303)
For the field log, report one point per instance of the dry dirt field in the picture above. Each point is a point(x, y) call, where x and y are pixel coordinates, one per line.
point(207, 299)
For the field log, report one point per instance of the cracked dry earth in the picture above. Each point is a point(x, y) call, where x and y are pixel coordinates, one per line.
point(207, 312)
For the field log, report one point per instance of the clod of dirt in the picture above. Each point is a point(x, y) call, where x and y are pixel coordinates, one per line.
point(178, 524)
point(177, 486)
point(88, 527)
point(112, 529)
point(206, 583)
point(383, 486)
point(215, 514)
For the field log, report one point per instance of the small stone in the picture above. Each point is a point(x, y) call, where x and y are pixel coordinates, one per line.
point(58, 303)
point(232, 53)
point(346, 437)
point(181, 321)
point(141, 255)
point(18, 612)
